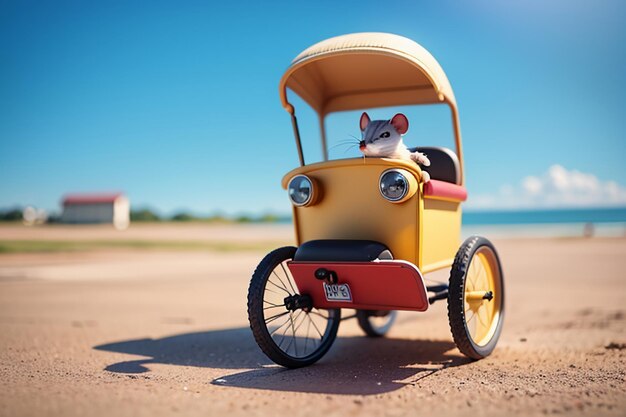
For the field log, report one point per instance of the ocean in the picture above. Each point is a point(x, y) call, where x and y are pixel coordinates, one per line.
point(601, 222)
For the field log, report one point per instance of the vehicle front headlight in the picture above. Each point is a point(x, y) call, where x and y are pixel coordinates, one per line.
point(397, 185)
point(301, 190)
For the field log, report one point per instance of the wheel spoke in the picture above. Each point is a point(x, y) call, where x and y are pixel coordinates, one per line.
point(471, 318)
point(472, 327)
point(472, 274)
point(279, 327)
point(482, 275)
point(292, 319)
point(294, 335)
point(275, 306)
point(284, 333)
point(478, 278)
point(288, 279)
point(295, 321)
point(480, 313)
point(314, 340)
point(295, 341)
point(317, 313)
point(308, 328)
point(315, 326)
point(273, 292)
point(278, 286)
point(271, 319)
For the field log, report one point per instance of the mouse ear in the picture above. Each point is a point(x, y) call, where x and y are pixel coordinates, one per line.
point(400, 123)
point(365, 120)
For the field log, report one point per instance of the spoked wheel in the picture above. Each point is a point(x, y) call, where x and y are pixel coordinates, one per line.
point(476, 298)
point(286, 327)
point(376, 323)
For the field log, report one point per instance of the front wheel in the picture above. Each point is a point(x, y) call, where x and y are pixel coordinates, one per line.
point(376, 323)
point(285, 325)
point(476, 298)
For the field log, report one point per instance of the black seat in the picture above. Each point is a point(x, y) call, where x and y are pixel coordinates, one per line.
point(444, 164)
point(341, 251)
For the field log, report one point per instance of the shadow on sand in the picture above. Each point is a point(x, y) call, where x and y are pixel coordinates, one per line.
point(354, 365)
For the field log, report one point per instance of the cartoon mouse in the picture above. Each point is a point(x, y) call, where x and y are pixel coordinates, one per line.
point(383, 139)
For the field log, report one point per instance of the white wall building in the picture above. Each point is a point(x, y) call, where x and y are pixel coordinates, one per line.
point(96, 208)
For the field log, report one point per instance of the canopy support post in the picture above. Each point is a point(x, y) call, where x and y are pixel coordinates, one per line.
point(323, 136)
point(457, 139)
point(296, 133)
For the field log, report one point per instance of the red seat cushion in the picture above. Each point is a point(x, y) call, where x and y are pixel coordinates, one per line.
point(446, 190)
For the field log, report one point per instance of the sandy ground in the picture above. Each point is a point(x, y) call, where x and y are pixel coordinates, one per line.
point(160, 333)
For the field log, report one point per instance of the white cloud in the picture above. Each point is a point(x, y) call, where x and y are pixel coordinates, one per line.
point(532, 185)
point(556, 188)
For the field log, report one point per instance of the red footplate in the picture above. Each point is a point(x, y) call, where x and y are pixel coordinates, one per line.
point(378, 285)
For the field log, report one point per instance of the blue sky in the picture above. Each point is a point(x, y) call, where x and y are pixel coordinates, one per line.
point(176, 103)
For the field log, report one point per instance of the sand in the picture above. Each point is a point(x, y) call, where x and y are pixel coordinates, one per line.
point(154, 333)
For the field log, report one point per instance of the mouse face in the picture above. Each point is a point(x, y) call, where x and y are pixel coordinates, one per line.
point(382, 138)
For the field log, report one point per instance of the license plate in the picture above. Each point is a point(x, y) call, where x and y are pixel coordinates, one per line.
point(337, 292)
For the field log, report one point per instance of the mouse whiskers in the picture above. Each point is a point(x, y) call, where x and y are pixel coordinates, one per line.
point(348, 143)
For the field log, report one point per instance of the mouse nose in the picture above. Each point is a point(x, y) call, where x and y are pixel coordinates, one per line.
point(362, 144)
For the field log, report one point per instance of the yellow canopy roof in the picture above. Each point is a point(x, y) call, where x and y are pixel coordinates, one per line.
point(365, 70)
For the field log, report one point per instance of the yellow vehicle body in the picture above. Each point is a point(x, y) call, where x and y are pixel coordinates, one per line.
point(422, 230)
point(363, 71)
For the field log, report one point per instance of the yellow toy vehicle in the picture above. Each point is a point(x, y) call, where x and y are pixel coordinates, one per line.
point(343, 258)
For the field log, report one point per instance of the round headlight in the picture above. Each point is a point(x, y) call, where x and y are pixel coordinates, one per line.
point(393, 185)
point(300, 190)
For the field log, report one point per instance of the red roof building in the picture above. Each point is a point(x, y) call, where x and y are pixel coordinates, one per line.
point(90, 198)
point(113, 208)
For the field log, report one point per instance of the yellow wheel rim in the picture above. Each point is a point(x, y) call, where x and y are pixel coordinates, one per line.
point(483, 296)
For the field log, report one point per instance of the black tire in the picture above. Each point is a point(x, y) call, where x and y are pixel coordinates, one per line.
point(376, 323)
point(268, 340)
point(459, 302)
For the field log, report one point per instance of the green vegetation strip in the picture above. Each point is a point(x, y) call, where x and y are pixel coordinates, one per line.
point(42, 246)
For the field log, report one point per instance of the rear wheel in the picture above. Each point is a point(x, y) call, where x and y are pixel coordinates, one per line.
point(286, 327)
point(476, 298)
point(376, 323)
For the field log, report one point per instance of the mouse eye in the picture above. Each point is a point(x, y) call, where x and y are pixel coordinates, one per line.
point(384, 135)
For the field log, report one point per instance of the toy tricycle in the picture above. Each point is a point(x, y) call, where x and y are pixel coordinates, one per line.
point(344, 259)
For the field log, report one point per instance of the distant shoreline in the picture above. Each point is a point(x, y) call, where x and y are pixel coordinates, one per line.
point(552, 216)
point(470, 217)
